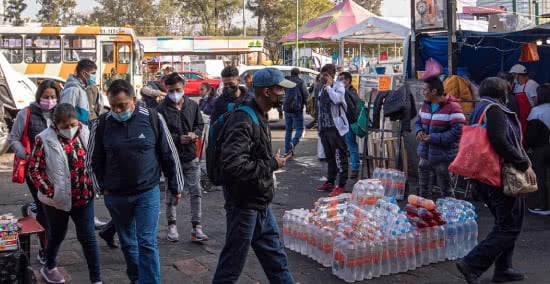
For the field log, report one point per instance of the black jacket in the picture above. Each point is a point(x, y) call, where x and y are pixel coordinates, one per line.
point(247, 160)
point(302, 88)
point(220, 107)
point(180, 122)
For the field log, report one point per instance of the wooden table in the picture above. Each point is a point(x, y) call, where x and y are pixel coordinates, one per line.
point(29, 226)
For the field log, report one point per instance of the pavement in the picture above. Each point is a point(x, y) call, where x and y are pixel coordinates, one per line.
point(186, 262)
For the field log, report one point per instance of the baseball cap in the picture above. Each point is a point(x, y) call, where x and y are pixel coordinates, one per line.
point(269, 76)
point(166, 66)
point(518, 69)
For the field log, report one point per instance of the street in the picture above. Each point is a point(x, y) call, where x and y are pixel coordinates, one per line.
point(186, 262)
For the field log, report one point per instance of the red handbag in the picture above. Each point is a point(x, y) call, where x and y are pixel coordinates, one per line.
point(476, 158)
point(20, 164)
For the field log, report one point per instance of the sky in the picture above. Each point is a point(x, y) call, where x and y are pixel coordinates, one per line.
point(86, 6)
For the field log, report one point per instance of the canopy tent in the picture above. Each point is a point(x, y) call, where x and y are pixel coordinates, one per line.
point(375, 29)
point(323, 27)
point(484, 54)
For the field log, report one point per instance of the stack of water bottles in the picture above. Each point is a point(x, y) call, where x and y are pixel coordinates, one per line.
point(429, 232)
point(393, 181)
point(461, 227)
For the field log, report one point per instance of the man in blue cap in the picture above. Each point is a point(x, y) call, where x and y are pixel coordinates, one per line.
point(248, 164)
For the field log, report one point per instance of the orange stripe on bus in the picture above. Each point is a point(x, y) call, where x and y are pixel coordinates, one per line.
point(107, 68)
point(87, 30)
point(51, 30)
point(122, 69)
point(35, 68)
point(66, 70)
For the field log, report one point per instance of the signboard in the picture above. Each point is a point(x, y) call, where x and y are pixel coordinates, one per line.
point(430, 14)
point(384, 83)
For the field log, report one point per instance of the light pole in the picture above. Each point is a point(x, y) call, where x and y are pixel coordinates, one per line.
point(244, 18)
point(297, 27)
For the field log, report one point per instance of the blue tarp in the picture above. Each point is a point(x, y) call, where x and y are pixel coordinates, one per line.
point(485, 54)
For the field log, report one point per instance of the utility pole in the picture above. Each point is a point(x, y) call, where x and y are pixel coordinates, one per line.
point(297, 35)
point(413, 40)
point(244, 19)
point(452, 58)
point(514, 6)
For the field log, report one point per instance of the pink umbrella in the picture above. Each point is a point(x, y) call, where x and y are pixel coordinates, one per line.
point(339, 18)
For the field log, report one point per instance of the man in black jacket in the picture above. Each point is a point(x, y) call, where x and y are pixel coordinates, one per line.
point(247, 166)
point(125, 158)
point(232, 92)
point(293, 106)
point(185, 124)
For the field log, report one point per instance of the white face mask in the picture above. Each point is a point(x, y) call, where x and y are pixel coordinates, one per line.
point(68, 133)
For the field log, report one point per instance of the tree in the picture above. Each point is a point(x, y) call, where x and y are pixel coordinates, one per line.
point(214, 16)
point(57, 12)
point(142, 15)
point(13, 11)
point(371, 5)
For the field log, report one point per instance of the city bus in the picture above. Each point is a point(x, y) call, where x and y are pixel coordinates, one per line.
point(55, 51)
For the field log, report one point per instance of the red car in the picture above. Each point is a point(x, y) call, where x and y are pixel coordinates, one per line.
point(194, 81)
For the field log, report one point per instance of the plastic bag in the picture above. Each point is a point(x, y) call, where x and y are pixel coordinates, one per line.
point(529, 53)
point(433, 68)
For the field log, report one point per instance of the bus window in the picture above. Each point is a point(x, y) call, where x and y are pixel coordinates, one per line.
point(124, 54)
point(108, 53)
point(42, 49)
point(12, 48)
point(77, 47)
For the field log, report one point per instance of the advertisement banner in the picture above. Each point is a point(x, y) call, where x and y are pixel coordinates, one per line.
point(430, 14)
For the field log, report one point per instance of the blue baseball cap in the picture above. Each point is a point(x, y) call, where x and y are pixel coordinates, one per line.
point(270, 76)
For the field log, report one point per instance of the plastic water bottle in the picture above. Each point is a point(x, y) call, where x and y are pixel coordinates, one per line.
point(349, 251)
point(474, 230)
point(401, 181)
point(418, 247)
point(433, 241)
point(402, 252)
point(378, 189)
point(411, 250)
point(441, 249)
point(385, 264)
point(450, 240)
point(392, 247)
point(460, 238)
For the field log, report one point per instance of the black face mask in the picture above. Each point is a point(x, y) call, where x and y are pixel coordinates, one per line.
point(231, 90)
point(277, 104)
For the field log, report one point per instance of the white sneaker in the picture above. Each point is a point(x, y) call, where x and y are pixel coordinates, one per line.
point(98, 224)
point(172, 234)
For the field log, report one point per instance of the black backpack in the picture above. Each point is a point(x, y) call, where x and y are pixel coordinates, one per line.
point(293, 99)
point(215, 135)
point(352, 112)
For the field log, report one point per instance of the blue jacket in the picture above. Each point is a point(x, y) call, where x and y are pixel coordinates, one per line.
point(127, 157)
point(444, 127)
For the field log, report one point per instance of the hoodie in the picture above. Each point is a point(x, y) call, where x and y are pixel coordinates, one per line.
point(74, 93)
point(220, 106)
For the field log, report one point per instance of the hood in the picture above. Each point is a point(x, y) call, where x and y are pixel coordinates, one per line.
point(74, 81)
point(243, 94)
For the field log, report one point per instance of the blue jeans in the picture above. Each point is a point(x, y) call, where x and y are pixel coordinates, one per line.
point(294, 120)
point(83, 218)
point(498, 246)
point(353, 149)
point(249, 227)
point(136, 221)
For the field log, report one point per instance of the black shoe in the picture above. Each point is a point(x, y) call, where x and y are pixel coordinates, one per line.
point(469, 275)
point(110, 240)
point(508, 275)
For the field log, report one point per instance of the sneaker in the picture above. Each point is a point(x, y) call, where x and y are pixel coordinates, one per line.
point(41, 256)
point(99, 224)
point(109, 239)
point(172, 234)
point(539, 211)
point(327, 186)
point(337, 191)
point(197, 235)
point(52, 276)
point(508, 275)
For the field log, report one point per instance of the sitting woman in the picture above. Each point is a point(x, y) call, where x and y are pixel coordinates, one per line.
point(57, 170)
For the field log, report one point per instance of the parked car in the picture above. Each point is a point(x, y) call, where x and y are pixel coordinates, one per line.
point(38, 78)
point(194, 81)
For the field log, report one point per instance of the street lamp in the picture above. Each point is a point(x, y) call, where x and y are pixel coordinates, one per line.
point(297, 27)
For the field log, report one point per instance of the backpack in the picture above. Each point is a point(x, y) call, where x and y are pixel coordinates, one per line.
point(215, 137)
point(293, 99)
point(352, 102)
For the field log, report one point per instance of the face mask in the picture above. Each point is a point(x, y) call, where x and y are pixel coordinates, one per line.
point(91, 80)
point(68, 133)
point(175, 96)
point(48, 104)
point(122, 116)
point(231, 90)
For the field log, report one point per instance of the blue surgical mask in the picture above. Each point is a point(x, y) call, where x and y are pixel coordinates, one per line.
point(175, 96)
point(91, 80)
point(122, 116)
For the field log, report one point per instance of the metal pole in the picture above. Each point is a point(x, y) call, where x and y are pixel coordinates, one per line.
point(537, 11)
point(451, 37)
point(244, 18)
point(297, 26)
point(413, 42)
point(514, 6)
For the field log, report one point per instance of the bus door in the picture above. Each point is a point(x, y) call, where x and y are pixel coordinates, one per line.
point(123, 59)
point(106, 64)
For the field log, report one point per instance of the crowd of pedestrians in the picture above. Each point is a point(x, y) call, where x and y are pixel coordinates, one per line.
point(80, 148)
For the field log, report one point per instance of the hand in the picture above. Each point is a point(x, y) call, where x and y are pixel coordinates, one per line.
point(281, 161)
point(330, 80)
point(426, 138)
point(420, 136)
point(162, 94)
point(186, 139)
point(531, 176)
point(175, 199)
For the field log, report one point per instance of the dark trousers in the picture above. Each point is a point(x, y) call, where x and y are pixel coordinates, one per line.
point(541, 166)
point(498, 246)
point(40, 215)
point(256, 228)
point(83, 218)
point(336, 152)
